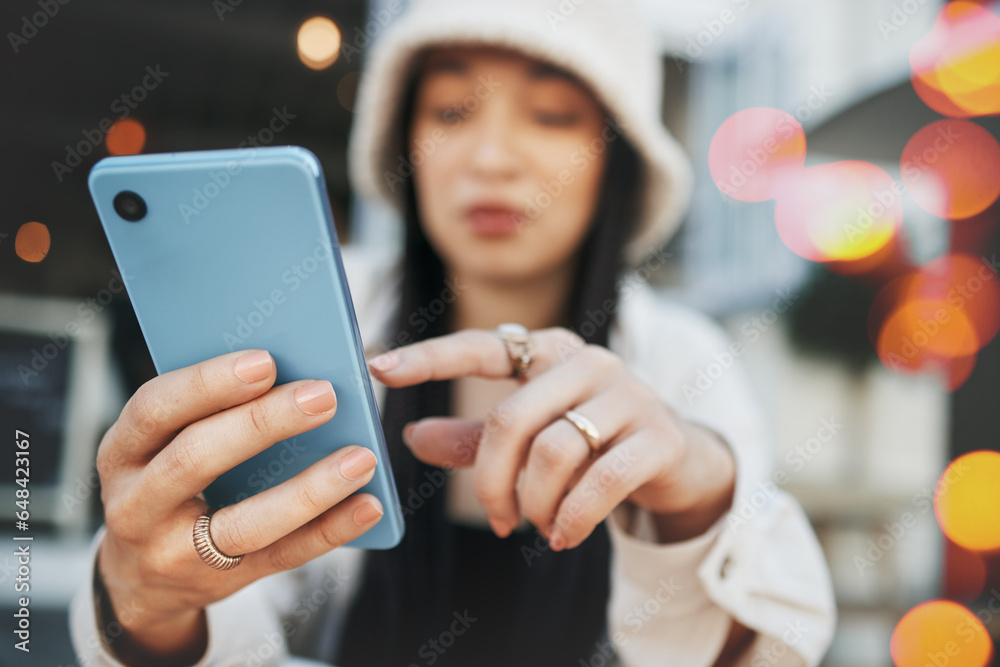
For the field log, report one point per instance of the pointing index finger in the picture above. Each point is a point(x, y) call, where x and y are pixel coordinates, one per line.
point(470, 352)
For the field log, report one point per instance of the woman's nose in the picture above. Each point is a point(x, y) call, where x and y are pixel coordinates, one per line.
point(494, 152)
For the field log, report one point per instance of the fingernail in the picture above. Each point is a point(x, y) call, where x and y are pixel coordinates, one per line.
point(408, 433)
point(316, 397)
point(253, 366)
point(368, 512)
point(357, 463)
point(557, 541)
point(386, 361)
point(500, 527)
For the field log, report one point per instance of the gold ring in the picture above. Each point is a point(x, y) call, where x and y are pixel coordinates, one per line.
point(585, 427)
point(206, 548)
point(520, 347)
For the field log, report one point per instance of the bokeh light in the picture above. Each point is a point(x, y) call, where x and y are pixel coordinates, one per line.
point(32, 242)
point(940, 632)
point(922, 333)
point(318, 42)
point(967, 501)
point(841, 211)
point(754, 151)
point(937, 317)
point(956, 66)
point(967, 283)
point(965, 572)
point(950, 168)
point(125, 137)
point(347, 90)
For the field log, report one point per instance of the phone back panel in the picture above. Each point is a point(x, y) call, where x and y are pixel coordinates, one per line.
point(237, 251)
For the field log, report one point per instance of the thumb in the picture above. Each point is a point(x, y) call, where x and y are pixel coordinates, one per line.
point(446, 442)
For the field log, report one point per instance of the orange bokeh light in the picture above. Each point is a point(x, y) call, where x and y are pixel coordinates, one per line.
point(920, 334)
point(125, 137)
point(965, 572)
point(967, 501)
point(841, 211)
point(318, 42)
point(967, 283)
point(754, 150)
point(32, 242)
point(949, 167)
point(937, 317)
point(956, 66)
point(940, 632)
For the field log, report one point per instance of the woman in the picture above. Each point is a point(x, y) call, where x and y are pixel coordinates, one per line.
point(566, 503)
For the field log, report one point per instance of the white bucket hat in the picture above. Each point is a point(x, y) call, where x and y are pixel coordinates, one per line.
point(603, 42)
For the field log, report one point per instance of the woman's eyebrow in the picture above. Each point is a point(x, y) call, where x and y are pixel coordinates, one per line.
point(547, 71)
point(446, 66)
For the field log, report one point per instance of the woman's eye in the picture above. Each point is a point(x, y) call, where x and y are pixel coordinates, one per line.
point(556, 119)
point(450, 115)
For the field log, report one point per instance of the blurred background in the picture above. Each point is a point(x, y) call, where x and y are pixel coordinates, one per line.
point(853, 257)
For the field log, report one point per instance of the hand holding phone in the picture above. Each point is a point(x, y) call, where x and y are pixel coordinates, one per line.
point(175, 434)
point(263, 404)
point(233, 250)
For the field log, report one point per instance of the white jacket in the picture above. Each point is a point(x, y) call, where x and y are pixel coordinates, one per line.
point(669, 604)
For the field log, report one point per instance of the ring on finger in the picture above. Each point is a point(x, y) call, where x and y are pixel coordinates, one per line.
point(586, 428)
point(520, 347)
point(206, 548)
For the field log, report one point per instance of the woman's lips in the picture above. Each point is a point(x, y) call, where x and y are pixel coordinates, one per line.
point(494, 220)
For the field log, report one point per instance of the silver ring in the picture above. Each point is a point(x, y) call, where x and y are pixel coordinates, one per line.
point(206, 548)
point(520, 347)
point(585, 427)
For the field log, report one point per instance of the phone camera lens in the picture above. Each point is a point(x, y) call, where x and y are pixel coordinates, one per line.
point(130, 206)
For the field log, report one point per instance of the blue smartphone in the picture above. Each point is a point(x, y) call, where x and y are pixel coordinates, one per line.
point(236, 249)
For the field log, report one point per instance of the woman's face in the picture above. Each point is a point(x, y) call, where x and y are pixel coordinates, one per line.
point(508, 159)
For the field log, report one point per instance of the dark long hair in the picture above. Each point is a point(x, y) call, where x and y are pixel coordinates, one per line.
point(513, 600)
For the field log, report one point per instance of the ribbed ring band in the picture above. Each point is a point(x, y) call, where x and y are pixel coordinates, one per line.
point(206, 548)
